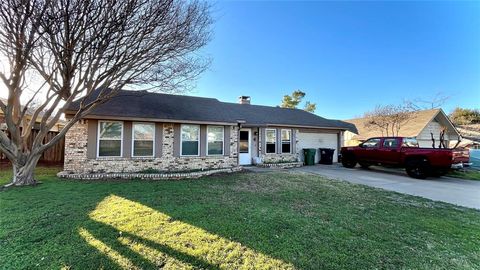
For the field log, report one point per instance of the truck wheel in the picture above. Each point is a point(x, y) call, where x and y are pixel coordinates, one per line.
point(364, 165)
point(417, 170)
point(349, 162)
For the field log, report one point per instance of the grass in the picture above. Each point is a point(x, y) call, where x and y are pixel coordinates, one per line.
point(465, 174)
point(273, 220)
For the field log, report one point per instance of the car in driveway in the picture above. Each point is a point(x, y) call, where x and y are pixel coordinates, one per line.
point(404, 152)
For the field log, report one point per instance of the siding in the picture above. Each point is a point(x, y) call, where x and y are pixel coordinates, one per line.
point(425, 138)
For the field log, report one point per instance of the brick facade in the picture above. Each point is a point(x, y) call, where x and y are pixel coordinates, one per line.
point(77, 161)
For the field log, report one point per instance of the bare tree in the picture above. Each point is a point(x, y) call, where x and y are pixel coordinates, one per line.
point(388, 119)
point(435, 102)
point(75, 47)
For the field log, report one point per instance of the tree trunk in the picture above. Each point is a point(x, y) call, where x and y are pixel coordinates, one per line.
point(23, 172)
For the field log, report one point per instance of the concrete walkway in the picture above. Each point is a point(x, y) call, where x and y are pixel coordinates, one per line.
point(446, 189)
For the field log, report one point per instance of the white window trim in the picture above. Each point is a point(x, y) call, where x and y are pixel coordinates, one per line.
point(133, 139)
point(266, 131)
point(281, 148)
point(181, 141)
point(98, 139)
point(223, 141)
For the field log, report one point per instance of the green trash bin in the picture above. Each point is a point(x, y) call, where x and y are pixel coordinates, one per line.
point(309, 156)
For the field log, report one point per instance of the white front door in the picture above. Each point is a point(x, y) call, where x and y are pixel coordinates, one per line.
point(244, 147)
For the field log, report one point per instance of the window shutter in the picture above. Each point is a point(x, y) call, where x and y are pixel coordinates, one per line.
point(203, 140)
point(176, 140)
point(92, 126)
point(127, 139)
point(264, 144)
point(226, 140)
point(158, 139)
point(294, 142)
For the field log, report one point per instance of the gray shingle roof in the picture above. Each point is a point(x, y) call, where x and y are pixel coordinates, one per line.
point(141, 104)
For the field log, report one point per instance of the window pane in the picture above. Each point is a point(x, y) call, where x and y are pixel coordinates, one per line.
point(215, 148)
point(285, 135)
point(143, 148)
point(271, 148)
point(143, 131)
point(109, 148)
point(285, 147)
point(215, 134)
point(271, 136)
point(390, 143)
point(190, 148)
point(243, 135)
point(110, 130)
point(244, 146)
point(190, 132)
point(371, 143)
point(410, 142)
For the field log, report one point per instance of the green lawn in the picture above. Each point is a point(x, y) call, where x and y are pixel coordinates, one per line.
point(239, 221)
point(466, 174)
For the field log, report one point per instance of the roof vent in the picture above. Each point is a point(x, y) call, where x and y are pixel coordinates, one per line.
point(244, 99)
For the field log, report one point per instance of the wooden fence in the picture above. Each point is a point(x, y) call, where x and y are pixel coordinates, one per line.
point(54, 155)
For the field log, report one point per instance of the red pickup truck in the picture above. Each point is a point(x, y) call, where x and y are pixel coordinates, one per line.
point(404, 152)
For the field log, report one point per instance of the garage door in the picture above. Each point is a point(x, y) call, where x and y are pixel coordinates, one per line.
point(317, 140)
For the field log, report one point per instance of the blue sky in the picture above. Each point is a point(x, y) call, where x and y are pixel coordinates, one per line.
point(347, 56)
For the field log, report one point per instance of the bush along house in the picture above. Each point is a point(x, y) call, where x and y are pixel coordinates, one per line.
point(138, 131)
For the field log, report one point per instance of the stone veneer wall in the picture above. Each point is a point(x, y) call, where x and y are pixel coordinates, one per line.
point(278, 158)
point(76, 160)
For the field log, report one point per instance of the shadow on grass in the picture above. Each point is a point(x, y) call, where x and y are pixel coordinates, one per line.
point(164, 241)
point(129, 251)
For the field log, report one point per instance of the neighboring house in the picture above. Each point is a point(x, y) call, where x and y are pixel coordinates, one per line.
point(55, 154)
point(470, 135)
point(138, 130)
point(420, 126)
point(28, 116)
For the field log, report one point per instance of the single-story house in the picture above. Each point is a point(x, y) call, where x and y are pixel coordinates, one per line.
point(138, 130)
point(420, 126)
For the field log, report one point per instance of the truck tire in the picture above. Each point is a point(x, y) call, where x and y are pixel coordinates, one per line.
point(417, 168)
point(349, 161)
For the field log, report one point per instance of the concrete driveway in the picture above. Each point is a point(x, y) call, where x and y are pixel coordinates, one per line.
point(446, 189)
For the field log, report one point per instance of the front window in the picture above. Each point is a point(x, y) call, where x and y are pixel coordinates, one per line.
point(143, 139)
point(190, 138)
point(410, 142)
point(372, 143)
point(286, 140)
point(110, 136)
point(271, 140)
point(390, 143)
point(214, 140)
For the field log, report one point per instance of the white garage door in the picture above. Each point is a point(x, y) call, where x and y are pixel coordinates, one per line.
point(317, 140)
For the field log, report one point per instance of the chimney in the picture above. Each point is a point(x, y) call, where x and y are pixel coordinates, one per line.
point(244, 99)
